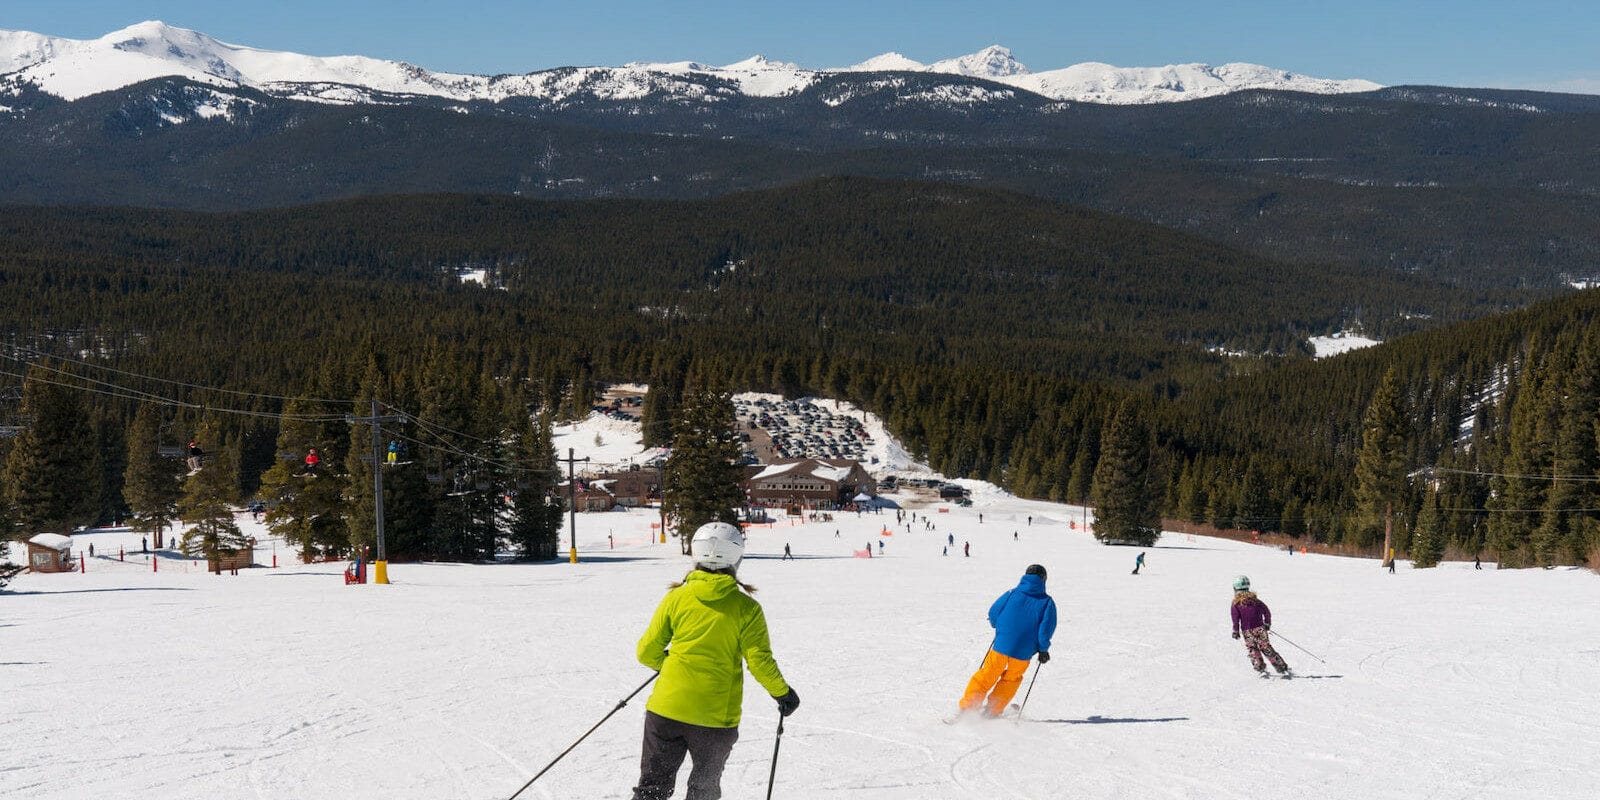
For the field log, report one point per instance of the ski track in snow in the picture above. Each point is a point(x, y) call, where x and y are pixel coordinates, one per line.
point(462, 681)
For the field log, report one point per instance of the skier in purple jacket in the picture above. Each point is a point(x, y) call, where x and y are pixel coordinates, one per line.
point(1253, 619)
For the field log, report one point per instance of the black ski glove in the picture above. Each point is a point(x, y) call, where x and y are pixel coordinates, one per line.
point(788, 703)
point(1044, 656)
point(1235, 634)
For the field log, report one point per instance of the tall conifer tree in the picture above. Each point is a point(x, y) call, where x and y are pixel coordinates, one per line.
point(1427, 544)
point(536, 519)
point(307, 506)
point(703, 478)
point(207, 503)
point(153, 482)
point(1127, 499)
point(53, 461)
point(1381, 465)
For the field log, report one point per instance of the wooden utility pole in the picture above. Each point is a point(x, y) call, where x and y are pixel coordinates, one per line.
point(572, 500)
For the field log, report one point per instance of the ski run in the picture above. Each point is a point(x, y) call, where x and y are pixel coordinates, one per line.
point(462, 681)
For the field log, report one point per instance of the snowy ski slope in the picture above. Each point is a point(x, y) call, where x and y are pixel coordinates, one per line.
point(461, 681)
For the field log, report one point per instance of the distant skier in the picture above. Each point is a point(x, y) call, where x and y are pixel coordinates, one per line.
point(787, 556)
point(702, 633)
point(1013, 536)
point(1138, 563)
point(951, 540)
point(1023, 619)
point(944, 551)
point(1477, 563)
point(966, 549)
point(1253, 619)
point(980, 518)
point(394, 451)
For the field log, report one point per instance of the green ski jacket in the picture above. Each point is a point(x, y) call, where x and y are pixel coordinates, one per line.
point(699, 639)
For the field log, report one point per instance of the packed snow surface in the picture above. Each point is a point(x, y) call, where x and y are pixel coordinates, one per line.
point(462, 681)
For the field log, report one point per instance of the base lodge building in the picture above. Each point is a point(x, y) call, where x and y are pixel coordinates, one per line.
point(809, 483)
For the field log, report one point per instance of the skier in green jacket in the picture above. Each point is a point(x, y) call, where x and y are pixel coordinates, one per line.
point(703, 633)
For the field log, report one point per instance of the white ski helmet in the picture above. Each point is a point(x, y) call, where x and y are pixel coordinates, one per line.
point(1241, 583)
point(717, 545)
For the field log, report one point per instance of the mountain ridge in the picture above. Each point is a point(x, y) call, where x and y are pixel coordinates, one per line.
point(76, 68)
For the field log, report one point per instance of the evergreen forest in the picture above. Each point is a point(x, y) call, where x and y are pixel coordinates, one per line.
point(1058, 352)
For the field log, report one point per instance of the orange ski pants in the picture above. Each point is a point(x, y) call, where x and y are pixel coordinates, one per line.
point(997, 679)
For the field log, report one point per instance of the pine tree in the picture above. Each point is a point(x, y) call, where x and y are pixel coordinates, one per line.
point(1524, 488)
point(536, 517)
point(153, 482)
point(53, 461)
point(306, 507)
point(1427, 544)
point(1191, 503)
point(1381, 466)
point(660, 403)
point(1127, 500)
point(703, 479)
point(1567, 526)
point(207, 505)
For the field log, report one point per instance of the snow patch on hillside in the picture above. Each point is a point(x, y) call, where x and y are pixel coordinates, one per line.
point(1341, 342)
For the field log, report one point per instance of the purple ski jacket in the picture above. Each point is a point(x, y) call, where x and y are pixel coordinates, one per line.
point(1249, 612)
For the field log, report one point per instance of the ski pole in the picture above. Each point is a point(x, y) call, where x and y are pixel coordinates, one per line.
point(773, 774)
point(1297, 647)
point(597, 725)
point(1025, 695)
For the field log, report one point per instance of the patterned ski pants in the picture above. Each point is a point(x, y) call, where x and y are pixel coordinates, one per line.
point(1257, 644)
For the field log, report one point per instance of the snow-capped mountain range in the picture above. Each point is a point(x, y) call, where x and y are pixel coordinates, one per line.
point(76, 68)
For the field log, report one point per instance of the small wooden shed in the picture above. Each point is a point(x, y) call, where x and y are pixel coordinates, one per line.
point(50, 552)
point(229, 560)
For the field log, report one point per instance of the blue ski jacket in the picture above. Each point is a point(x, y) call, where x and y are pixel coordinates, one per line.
point(1024, 619)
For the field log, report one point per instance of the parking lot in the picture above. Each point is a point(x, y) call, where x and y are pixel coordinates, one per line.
point(780, 429)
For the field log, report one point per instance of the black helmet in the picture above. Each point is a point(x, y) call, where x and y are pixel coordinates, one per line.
point(1036, 569)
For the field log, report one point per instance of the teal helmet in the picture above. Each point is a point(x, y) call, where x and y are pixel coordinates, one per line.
point(1241, 583)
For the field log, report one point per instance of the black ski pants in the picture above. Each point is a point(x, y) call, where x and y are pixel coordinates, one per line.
point(666, 742)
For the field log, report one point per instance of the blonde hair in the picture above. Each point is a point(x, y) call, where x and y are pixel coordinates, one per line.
point(731, 572)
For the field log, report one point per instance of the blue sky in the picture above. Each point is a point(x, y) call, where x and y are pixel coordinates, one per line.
point(1546, 44)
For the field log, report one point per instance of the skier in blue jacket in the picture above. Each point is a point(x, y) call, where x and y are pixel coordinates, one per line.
point(1024, 619)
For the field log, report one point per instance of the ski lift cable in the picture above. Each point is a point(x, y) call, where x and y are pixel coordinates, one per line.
point(447, 448)
point(62, 372)
point(1551, 478)
point(171, 382)
point(124, 393)
point(131, 393)
point(127, 393)
point(435, 427)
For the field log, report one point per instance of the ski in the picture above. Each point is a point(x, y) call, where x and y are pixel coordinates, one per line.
point(1012, 712)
